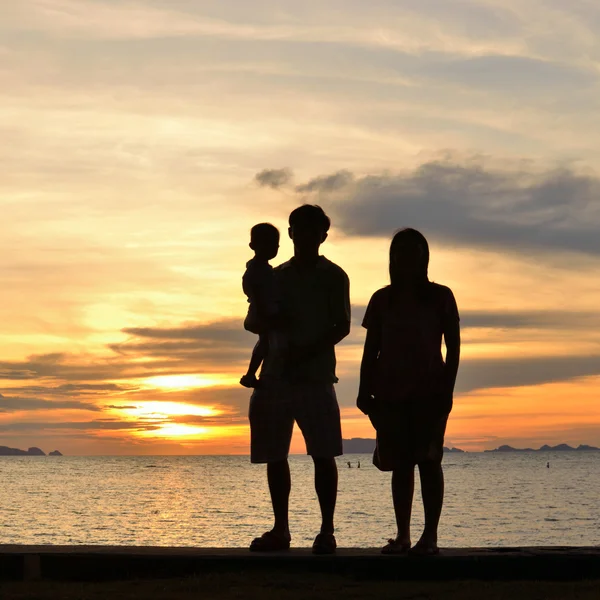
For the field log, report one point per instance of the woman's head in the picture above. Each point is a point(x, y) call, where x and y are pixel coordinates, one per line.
point(409, 258)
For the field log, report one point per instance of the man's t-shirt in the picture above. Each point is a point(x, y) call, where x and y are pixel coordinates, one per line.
point(313, 300)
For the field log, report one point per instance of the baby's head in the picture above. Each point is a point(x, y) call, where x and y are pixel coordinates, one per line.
point(264, 240)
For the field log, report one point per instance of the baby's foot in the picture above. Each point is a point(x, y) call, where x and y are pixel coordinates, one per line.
point(249, 381)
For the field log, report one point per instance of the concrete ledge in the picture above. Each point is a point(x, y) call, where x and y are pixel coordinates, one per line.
point(96, 563)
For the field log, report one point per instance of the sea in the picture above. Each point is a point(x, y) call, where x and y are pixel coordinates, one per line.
point(492, 499)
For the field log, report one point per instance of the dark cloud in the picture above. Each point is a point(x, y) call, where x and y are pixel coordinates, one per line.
point(71, 367)
point(274, 178)
point(476, 374)
point(74, 390)
point(480, 374)
point(177, 350)
point(195, 345)
point(227, 330)
point(550, 320)
point(79, 425)
point(18, 403)
point(471, 203)
point(15, 375)
point(327, 183)
point(121, 407)
point(501, 73)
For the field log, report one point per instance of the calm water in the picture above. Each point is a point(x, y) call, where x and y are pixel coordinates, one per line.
point(491, 500)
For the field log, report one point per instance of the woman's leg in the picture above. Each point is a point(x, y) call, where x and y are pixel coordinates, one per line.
point(403, 487)
point(432, 490)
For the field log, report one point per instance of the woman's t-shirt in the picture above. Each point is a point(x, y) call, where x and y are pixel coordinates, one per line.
point(410, 360)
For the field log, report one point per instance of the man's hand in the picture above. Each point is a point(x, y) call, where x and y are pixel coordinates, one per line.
point(364, 403)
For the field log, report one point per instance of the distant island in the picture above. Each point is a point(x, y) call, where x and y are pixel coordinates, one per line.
point(546, 448)
point(6, 451)
point(367, 445)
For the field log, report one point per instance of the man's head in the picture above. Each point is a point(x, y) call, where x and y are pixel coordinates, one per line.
point(308, 228)
point(264, 240)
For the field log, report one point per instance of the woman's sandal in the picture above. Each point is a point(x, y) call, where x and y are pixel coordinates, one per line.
point(269, 542)
point(394, 546)
point(424, 549)
point(324, 544)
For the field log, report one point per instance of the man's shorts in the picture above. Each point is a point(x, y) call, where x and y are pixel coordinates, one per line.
point(276, 405)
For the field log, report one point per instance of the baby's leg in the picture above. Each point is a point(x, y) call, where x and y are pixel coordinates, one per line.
point(258, 355)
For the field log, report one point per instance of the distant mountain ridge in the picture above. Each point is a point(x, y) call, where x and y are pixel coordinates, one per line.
point(33, 451)
point(547, 448)
point(367, 445)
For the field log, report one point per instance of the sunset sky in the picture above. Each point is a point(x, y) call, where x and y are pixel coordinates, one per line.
point(142, 139)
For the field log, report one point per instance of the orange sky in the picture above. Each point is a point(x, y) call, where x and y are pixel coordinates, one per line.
point(142, 140)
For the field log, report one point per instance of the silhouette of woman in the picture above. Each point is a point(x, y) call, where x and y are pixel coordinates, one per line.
point(406, 387)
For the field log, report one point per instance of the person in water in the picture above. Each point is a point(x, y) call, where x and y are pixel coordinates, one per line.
point(259, 287)
point(406, 387)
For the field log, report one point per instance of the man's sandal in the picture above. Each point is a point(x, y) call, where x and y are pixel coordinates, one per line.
point(269, 542)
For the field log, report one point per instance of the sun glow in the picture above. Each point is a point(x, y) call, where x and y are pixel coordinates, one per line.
point(176, 430)
point(162, 410)
point(187, 381)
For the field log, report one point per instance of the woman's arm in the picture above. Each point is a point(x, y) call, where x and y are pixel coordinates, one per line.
point(367, 369)
point(452, 341)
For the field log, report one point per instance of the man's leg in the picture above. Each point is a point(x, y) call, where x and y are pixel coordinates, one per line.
point(278, 475)
point(271, 426)
point(326, 485)
point(318, 416)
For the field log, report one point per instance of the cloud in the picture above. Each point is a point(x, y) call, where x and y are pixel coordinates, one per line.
point(542, 319)
point(15, 375)
point(79, 425)
point(190, 348)
point(477, 374)
point(471, 203)
point(549, 320)
point(74, 389)
point(327, 183)
point(508, 73)
point(19, 403)
point(200, 345)
point(274, 178)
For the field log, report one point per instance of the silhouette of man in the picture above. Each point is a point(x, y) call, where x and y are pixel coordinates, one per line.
point(297, 377)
